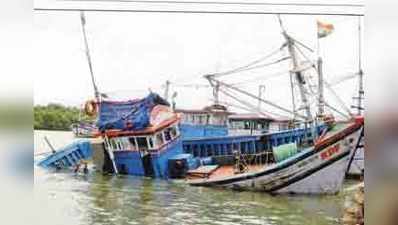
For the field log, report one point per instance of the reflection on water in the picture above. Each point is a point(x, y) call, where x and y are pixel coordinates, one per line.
point(67, 198)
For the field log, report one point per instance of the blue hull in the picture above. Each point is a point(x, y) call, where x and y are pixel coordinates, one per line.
point(68, 156)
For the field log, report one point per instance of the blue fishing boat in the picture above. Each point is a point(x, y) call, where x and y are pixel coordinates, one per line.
point(139, 137)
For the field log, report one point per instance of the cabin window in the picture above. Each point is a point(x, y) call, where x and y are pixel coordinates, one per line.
point(119, 144)
point(173, 131)
point(192, 118)
point(125, 143)
point(113, 143)
point(150, 142)
point(142, 143)
point(247, 125)
point(133, 143)
point(167, 135)
point(159, 139)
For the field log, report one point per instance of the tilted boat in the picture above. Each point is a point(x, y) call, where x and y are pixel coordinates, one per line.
point(139, 137)
point(312, 170)
point(315, 169)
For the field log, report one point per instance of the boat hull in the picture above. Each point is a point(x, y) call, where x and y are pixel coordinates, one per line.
point(319, 170)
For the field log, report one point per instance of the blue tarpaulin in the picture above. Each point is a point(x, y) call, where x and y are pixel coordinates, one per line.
point(128, 115)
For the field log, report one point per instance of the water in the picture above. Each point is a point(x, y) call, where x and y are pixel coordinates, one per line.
point(66, 198)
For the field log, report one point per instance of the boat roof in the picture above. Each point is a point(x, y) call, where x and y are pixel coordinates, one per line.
point(211, 109)
point(250, 116)
point(146, 131)
point(257, 116)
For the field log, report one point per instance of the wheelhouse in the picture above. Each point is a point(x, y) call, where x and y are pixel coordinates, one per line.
point(253, 124)
point(216, 115)
point(211, 121)
point(151, 142)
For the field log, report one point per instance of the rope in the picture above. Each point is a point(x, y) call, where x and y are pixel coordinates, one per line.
point(338, 98)
point(258, 78)
point(242, 68)
point(250, 105)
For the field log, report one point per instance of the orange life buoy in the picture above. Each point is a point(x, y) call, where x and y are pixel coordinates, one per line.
point(90, 108)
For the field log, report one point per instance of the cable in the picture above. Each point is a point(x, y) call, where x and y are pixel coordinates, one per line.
point(249, 105)
point(250, 68)
point(250, 64)
point(258, 78)
point(225, 3)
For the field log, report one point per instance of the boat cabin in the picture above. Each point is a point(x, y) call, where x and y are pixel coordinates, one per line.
point(207, 122)
point(252, 124)
point(144, 152)
point(139, 136)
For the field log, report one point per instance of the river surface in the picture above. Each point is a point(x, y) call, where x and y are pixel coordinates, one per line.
point(70, 199)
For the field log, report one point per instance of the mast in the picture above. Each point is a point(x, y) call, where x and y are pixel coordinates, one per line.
point(298, 75)
point(360, 89)
point(83, 21)
point(321, 99)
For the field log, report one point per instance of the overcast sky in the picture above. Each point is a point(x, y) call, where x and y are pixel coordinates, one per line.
point(132, 52)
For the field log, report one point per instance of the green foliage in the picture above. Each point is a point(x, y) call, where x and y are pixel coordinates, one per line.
point(56, 117)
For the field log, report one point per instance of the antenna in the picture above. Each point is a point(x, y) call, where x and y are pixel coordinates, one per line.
point(167, 89)
point(83, 21)
point(360, 88)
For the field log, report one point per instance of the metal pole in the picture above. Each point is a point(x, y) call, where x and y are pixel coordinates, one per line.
point(83, 21)
point(293, 98)
point(360, 91)
point(299, 76)
point(49, 144)
point(321, 100)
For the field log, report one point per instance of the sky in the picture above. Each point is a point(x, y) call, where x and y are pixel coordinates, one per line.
point(133, 53)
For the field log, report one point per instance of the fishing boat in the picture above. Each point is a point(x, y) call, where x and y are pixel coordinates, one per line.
point(309, 170)
point(139, 137)
point(295, 166)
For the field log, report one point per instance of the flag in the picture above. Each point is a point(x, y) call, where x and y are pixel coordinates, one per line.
point(324, 29)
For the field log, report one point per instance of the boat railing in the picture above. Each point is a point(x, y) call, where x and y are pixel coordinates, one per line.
point(260, 158)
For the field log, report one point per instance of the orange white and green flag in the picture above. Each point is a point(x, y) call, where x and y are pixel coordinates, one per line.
point(324, 29)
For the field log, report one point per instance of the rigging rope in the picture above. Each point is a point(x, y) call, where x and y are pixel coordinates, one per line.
point(249, 105)
point(338, 98)
point(242, 68)
point(256, 79)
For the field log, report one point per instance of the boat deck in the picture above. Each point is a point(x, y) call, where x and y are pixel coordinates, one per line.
point(220, 171)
